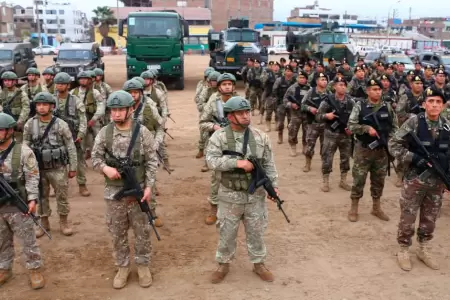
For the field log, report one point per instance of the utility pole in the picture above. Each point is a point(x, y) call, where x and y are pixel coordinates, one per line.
point(118, 21)
point(38, 27)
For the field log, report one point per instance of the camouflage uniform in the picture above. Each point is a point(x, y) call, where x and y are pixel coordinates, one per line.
point(408, 105)
point(268, 78)
point(20, 105)
point(255, 87)
point(356, 88)
point(105, 90)
point(202, 99)
point(280, 88)
point(244, 72)
point(31, 91)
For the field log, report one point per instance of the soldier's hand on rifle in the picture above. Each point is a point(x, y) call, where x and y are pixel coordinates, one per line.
point(373, 132)
point(273, 199)
point(111, 173)
point(330, 116)
point(147, 194)
point(91, 123)
point(31, 206)
point(347, 131)
point(78, 140)
point(216, 127)
point(313, 110)
point(72, 174)
point(246, 165)
point(294, 106)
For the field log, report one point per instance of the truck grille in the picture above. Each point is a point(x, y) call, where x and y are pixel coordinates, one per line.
point(69, 70)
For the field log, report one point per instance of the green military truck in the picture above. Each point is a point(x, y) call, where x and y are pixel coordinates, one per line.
point(155, 41)
point(230, 48)
point(320, 44)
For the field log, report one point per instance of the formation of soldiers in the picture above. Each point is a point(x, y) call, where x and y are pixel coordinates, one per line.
point(365, 113)
point(48, 131)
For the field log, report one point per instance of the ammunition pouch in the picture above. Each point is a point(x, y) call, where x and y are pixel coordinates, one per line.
point(236, 180)
point(53, 158)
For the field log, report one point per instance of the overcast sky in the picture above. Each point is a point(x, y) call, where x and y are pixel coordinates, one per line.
point(372, 9)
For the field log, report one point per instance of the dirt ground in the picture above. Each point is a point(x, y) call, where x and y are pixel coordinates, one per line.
point(320, 255)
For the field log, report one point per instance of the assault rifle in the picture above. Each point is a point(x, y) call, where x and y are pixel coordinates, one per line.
point(161, 161)
point(7, 105)
point(293, 100)
point(165, 130)
point(221, 122)
point(168, 115)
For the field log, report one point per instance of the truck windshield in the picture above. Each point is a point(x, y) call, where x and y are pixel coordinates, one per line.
point(153, 26)
point(333, 38)
point(74, 54)
point(242, 36)
point(5, 54)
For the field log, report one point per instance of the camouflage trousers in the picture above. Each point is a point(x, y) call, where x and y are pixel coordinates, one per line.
point(265, 96)
point(122, 215)
point(247, 91)
point(91, 133)
point(204, 136)
point(282, 113)
point(365, 161)
point(314, 131)
point(331, 143)
point(163, 150)
point(255, 218)
point(416, 195)
point(81, 166)
point(271, 108)
point(297, 120)
point(59, 180)
point(255, 95)
point(215, 183)
point(19, 226)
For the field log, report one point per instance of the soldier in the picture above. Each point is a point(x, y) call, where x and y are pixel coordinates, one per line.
point(104, 89)
point(255, 85)
point(422, 188)
point(243, 74)
point(428, 78)
point(380, 70)
point(292, 100)
point(282, 65)
point(331, 69)
point(235, 203)
point(211, 120)
point(116, 139)
point(20, 170)
point(52, 142)
point(49, 75)
point(357, 86)
point(440, 84)
point(360, 62)
point(400, 74)
point(71, 109)
point(268, 78)
point(202, 83)
point(348, 74)
point(388, 94)
point(410, 103)
point(406, 83)
point(334, 112)
point(33, 85)
point(159, 84)
point(310, 103)
point(312, 77)
point(373, 122)
point(418, 69)
point(95, 111)
point(390, 74)
point(280, 87)
point(13, 100)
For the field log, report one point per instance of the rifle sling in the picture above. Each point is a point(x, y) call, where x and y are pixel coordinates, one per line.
point(8, 103)
point(47, 129)
point(6, 153)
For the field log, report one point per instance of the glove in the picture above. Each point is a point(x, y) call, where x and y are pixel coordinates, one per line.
point(419, 161)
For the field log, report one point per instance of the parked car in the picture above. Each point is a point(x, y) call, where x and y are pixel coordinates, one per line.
point(389, 57)
point(16, 57)
point(362, 51)
point(277, 49)
point(45, 50)
point(434, 60)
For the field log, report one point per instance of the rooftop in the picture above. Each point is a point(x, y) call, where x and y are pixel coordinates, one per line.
point(188, 13)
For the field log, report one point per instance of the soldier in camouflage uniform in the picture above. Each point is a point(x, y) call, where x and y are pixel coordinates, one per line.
point(235, 203)
point(390, 74)
point(202, 83)
point(399, 75)
point(310, 104)
point(124, 213)
point(268, 78)
point(243, 73)
point(298, 118)
point(428, 76)
point(280, 88)
point(104, 89)
point(312, 77)
point(405, 85)
point(388, 95)
point(211, 120)
point(370, 155)
point(95, 112)
point(422, 188)
point(334, 111)
point(13, 100)
point(357, 86)
point(159, 84)
point(52, 142)
point(348, 74)
point(440, 84)
point(33, 86)
point(331, 69)
point(49, 75)
point(20, 170)
point(255, 85)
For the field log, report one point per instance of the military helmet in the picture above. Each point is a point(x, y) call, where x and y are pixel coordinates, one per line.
point(98, 72)
point(236, 103)
point(92, 73)
point(33, 71)
point(6, 121)
point(83, 74)
point(213, 76)
point(208, 71)
point(44, 97)
point(62, 78)
point(48, 71)
point(225, 77)
point(132, 84)
point(119, 99)
point(148, 75)
point(140, 79)
point(9, 75)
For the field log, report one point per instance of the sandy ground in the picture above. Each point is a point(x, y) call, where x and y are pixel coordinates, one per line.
point(320, 255)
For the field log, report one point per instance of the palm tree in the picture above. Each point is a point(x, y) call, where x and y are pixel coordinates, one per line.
point(104, 17)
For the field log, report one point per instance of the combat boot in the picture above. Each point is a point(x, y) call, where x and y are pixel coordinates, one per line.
point(84, 191)
point(212, 218)
point(219, 274)
point(326, 183)
point(145, 277)
point(36, 279)
point(121, 278)
point(158, 221)
point(293, 150)
point(343, 183)
point(377, 212)
point(399, 182)
point(353, 213)
point(5, 275)
point(280, 137)
point(166, 162)
point(424, 254)
point(307, 166)
point(268, 125)
point(403, 258)
point(205, 168)
point(46, 224)
point(64, 225)
point(199, 154)
point(261, 270)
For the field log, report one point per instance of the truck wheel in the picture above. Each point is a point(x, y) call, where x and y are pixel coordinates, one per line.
point(179, 85)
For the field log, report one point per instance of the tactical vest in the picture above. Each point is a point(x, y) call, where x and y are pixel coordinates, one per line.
point(155, 98)
point(49, 153)
point(300, 92)
point(316, 98)
point(51, 88)
point(148, 119)
point(389, 96)
point(31, 94)
point(15, 182)
point(271, 77)
point(384, 116)
point(414, 106)
point(100, 86)
point(137, 157)
point(237, 179)
point(88, 100)
point(427, 82)
point(15, 106)
point(439, 147)
point(356, 89)
point(344, 110)
point(282, 88)
point(256, 78)
point(69, 113)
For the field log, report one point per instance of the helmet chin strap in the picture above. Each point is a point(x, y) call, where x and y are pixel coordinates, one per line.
point(239, 124)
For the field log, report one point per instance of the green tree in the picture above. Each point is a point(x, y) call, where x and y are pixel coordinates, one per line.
point(103, 16)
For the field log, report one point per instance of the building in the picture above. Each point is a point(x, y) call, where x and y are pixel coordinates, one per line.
point(6, 21)
point(25, 21)
point(436, 28)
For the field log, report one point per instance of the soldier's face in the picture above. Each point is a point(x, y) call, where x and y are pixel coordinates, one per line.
point(5, 134)
point(307, 69)
point(288, 73)
point(44, 108)
point(386, 84)
point(340, 88)
point(213, 83)
point(136, 94)
point(389, 71)
point(401, 68)
point(148, 81)
point(120, 114)
point(302, 80)
point(32, 77)
point(98, 78)
point(9, 83)
point(417, 87)
point(380, 69)
point(48, 77)
point(322, 82)
point(346, 66)
point(360, 74)
point(83, 81)
point(440, 78)
point(226, 87)
point(418, 67)
point(241, 117)
point(374, 93)
point(428, 72)
point(433, 106)
point(257, 65)
point(62, 87)
point(276, 68)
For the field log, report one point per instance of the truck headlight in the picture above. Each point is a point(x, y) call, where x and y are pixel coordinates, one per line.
point(80, 68)
point(263, 64)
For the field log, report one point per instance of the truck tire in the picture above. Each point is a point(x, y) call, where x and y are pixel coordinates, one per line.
point(179, 85)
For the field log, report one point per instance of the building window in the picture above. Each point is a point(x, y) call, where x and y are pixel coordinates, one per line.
point(61, 11)
point(447, 28)
point(39, 11)
point(181, 3)
point(61, 22)
point(50, 11)
point(63, 31)
point(53, 31)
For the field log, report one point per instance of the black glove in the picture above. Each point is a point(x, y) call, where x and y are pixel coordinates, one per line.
point(419, 161)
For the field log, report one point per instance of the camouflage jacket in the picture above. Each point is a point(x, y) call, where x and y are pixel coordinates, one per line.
point(254, 77)
point(404, 106)
point(291, 92)
point(100, 102)
point(160, 98)
point(325, 107)
point(354, 87)
point(80, 114)
point(306, 105)
point(159, 133)
point(104, 89)
point(20, 106)
point(204, 96)
point(31, 91)
point(211, 114)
